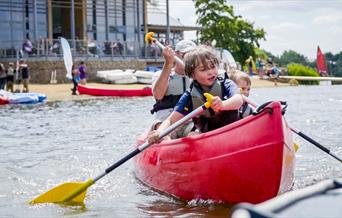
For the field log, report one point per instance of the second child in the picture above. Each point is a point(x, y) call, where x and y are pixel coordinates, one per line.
point(243, 81)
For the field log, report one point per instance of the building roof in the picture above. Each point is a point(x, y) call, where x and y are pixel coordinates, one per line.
point(156, 18)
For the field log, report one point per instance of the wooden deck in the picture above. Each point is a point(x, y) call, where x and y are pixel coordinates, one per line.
point(311, 78)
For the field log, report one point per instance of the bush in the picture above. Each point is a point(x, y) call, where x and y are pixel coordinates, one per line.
point(300, 70)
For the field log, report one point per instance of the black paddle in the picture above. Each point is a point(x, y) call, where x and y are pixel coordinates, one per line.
point(312, 141)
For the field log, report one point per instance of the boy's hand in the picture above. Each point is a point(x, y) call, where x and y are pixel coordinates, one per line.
point(216, 104)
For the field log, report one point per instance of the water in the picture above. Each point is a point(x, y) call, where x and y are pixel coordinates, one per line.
point(45, 145)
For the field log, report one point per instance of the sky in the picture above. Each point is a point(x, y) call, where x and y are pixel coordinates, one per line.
point(298, 25)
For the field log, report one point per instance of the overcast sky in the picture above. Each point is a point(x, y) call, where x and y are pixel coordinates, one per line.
point(298, 25)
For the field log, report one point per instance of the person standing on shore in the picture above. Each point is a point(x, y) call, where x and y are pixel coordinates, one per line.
point(249, 62)
point(82, 69)
point(25, 75)
point(169, 84)
point(10, 77)
point(75, 79)
point(2, 76)
point(260, 67)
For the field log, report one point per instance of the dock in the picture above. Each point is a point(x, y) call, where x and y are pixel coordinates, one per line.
point(311, 78)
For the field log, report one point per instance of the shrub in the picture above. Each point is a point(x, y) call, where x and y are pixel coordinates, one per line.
point(300, 70)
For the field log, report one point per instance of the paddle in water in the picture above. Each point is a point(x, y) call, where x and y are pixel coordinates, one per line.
point(75, 192)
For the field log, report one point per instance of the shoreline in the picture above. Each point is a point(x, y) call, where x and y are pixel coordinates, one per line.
point(62, 92)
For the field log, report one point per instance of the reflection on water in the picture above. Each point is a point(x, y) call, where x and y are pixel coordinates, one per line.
point(45, 145)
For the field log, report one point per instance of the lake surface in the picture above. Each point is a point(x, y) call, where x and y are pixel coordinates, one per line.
point(49, 144)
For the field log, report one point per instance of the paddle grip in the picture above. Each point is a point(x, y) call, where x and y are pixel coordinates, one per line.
point(123, 160)
point(177, 59)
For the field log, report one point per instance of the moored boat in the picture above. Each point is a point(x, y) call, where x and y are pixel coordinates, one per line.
point(97, 91)
point(21, 98)
point(251, 160)
point(3, 100)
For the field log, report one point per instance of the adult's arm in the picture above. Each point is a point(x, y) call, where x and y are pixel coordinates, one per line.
point(153, 136)
point(174, 117)
point(162, 83)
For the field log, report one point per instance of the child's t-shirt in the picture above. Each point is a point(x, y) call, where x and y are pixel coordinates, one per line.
point(184, 105)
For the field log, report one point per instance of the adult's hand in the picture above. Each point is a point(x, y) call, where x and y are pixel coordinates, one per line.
point(168, 54)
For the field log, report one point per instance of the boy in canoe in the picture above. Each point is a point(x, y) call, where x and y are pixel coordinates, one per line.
point(201, 65)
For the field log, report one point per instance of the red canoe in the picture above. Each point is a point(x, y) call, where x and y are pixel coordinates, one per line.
point(96, 91)
point(251, 160)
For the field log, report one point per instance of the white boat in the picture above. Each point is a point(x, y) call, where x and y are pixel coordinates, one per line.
point(117, 76)
point(144, 77)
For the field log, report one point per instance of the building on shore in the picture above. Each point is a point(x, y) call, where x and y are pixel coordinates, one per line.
point(94, 28)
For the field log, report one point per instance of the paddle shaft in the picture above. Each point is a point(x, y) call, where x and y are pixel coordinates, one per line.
point(318, 145)
point(142, 147)
point(177, 59)
point(312, 141)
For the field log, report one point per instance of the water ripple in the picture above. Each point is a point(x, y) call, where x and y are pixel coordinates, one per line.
point(45, 145)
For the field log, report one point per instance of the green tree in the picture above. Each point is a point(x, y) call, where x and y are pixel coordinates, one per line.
point(292, 57)
point(261, 53)
point(334, 63)
point(230, 31)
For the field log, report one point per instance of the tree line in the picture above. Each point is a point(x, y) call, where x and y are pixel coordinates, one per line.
point(241, 38)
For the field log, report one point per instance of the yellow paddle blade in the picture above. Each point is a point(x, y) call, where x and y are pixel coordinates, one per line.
point(149, 36)
point(296, 146)
point(70, 192)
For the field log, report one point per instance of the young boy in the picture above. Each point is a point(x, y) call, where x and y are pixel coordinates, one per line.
point(201, 66)
point(243, 81)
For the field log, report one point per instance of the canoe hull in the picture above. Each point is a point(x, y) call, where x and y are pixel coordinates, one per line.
point(114, 92)
point(255, 166)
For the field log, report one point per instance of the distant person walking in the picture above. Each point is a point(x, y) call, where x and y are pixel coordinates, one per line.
point(10, 77)
point(249, 63)
point(260, 67)
point(82, 69)
point(2, 76)
point(25, 75)
point(75, 79)
point(273, 71)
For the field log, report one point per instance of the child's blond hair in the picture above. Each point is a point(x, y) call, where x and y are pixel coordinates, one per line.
point(237, 75)
point(197, 56)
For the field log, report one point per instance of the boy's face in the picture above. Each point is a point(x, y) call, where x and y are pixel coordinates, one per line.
point(205, 75)
point(244, 87)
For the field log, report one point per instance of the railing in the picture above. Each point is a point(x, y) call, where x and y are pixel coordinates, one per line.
point(45, 48)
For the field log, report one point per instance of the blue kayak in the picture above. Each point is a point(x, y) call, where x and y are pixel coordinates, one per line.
point(320, 200)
